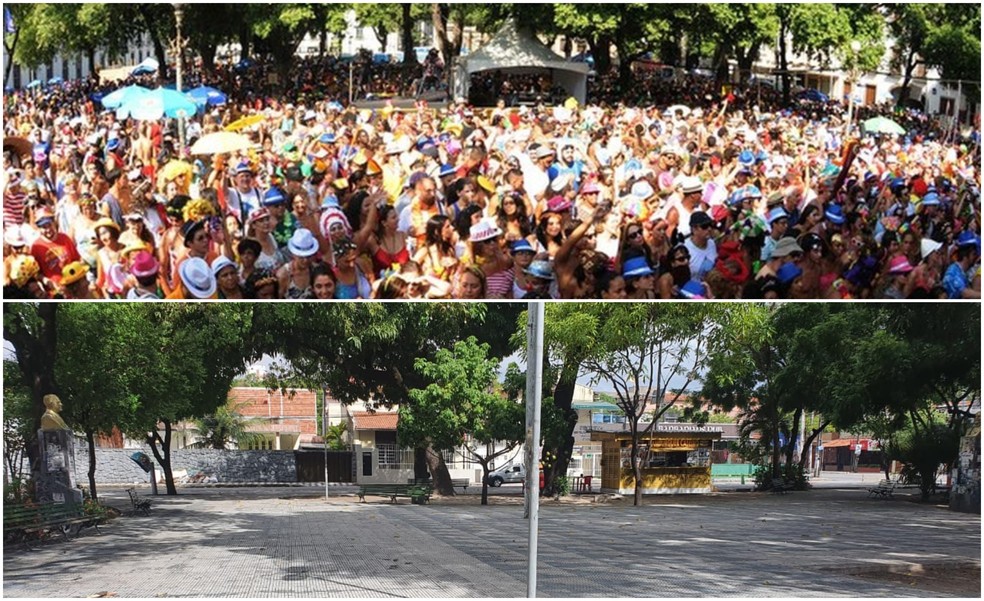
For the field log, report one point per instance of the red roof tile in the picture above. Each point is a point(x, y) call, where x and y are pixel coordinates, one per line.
point(375, 421)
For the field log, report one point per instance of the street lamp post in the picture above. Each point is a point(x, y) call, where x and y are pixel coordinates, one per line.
point(854, 76)
point(179, 59)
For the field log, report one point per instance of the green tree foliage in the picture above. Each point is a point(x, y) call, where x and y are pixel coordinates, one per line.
point(366, 352)
point(335, 437)
point(90, 368)
point(223, 428)
point(923, 449)
point(16, 433)
point(459, 409)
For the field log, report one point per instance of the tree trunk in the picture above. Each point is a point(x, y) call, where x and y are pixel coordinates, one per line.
point(784, 63)
point(90, 440)
point(439, 472)
point(322, 43)
point(601, 51)
point(439, 18)
point(563, 396)
point(809, 441)
point(485, 480)
point(420, 471)
point(164, 455)
point(10, 58)
point(159, 51)
point(793, 436)
point(406, 26)
point(208, 52)
point(244, 41)
point(35, 350)
point(636, 468)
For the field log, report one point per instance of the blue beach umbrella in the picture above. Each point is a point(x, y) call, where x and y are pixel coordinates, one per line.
point(55, 81)
point(205, 96)
point(156, 104)
point(122, 96)
point(34, 84)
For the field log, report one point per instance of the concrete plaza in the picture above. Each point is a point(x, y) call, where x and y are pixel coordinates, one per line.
point(292, 542)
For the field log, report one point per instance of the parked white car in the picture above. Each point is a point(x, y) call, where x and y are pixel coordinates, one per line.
point(508, 474)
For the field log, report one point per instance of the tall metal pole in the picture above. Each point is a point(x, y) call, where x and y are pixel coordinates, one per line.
point(178, 18)
point(324, 433)
point(534, 384)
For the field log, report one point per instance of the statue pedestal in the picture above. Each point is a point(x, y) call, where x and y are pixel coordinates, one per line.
point(57, 481)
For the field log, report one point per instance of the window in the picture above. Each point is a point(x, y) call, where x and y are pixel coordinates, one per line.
point(389, 455)
point(607, 418)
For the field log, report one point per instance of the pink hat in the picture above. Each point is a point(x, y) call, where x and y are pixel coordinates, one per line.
point(259, 213)
point(899, 266)
point(144, 264)
point(590, 188)
point(558, 204)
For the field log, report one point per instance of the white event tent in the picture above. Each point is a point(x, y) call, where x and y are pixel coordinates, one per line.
point(513, 50)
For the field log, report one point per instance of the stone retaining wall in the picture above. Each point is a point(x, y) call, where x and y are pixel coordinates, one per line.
point(114, 466)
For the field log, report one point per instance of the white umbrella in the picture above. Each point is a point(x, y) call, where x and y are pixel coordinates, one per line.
point(220, 142)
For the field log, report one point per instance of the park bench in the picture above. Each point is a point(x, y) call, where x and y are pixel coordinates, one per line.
point(19, 521)
point(139, 505)
point(418, 493)
point(780, 486)
point(884, 489)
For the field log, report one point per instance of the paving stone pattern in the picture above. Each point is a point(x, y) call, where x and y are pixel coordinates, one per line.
point(263, 543)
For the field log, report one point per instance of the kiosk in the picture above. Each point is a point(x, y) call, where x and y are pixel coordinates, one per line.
point(675, 459)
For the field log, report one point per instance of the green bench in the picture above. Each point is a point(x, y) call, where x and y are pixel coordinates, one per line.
point(418, 493)
point(21, 521)
point(884, 489)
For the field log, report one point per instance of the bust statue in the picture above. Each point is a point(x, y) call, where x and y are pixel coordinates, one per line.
point(51, 420)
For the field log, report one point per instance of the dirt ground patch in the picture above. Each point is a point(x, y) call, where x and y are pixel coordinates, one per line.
point(951, 578)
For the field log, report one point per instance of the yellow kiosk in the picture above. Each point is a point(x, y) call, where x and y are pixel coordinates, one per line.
point(675, 459)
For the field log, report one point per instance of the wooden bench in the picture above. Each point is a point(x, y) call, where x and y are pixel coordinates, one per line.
point(418, 493)
point(19, 521)
point(139, 505)
point(884, 489)
point(780, 486)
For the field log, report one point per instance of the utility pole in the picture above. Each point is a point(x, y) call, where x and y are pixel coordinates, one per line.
point(534, 382)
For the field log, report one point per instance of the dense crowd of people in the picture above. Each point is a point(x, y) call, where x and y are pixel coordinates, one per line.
point(664, 191)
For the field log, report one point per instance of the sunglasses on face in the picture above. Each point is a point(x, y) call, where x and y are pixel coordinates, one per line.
point(635, 234)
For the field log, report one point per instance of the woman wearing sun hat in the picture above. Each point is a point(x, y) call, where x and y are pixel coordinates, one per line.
point(145, 277)
point(196, 281)
point(74, 283)
point(926, 276)
point(294, 277)
point(261, 230)
point(227, 282)
point(108, 258)
point(486, 253)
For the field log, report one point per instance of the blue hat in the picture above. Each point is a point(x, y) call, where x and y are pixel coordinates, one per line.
point(636, 267)
point(113, 144)
point(243, 168)
point(761, 157)
point(542, 270)
point(522, 245)
point(777, 214)
point(746, 158)
point(330, 201)
point(788, 272)
point(744, 193)
point(273, 197)
point(446, 169)
point(932, 199)
point(327, 138)
point(898, 183)
point(693, 290)
point(835, 214)
point(968, 238)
